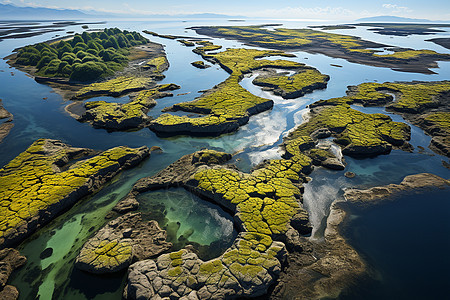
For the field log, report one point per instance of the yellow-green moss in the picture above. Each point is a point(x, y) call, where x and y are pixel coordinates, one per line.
point(159, 63)
point(117, 116)
point(353, 128)
point(31, 182)
point(302, 80)
point(411, 96)
point(228, 101)
point(284, 38)
point(114, 87)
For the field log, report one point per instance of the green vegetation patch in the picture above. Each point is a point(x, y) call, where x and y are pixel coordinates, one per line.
point(265, 200)
point(441, 120)
point(132, 115)
point(108, 254)
point(293, 86)
point(335, 45)
point(37, 182)
point(85, 57)
point(358, 133)
point(114, 87)
point(412, 97)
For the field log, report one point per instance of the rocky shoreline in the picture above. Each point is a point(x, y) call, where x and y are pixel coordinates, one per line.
point(418, 183)
point(6, 125)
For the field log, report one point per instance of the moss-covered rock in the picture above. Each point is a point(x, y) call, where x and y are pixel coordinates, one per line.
point(6, 124)
point(410, 97)
point(114, 87)
point(293, 86)
point(359, 134)
point(132, 115)
point(120, 242)
point(425, 104)
point(41, 182)
point(200, 64)
point(266, 204)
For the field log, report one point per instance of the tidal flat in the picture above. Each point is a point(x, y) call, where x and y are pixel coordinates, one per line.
point(132, 172)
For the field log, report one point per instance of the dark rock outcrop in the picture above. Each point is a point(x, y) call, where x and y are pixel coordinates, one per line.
point(414, 183)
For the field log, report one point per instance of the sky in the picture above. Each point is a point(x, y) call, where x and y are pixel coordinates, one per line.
point(285, 9)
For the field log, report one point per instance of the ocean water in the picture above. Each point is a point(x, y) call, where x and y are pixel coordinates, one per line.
point(34, 117)
point(406, 244)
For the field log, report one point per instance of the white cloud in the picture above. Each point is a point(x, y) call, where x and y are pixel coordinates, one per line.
point(396, 9)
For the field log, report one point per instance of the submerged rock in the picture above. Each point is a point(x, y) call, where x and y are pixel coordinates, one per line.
point(10, 259)
point(46, 253)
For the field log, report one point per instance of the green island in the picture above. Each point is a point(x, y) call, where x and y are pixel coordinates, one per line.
point(228, 105)
point(358, 133)
point(424, 104)
point(292, 86)
point(49, 177)
point(353, 49)
point(86, 57)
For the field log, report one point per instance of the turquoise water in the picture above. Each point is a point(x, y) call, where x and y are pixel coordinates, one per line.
point(36, 118)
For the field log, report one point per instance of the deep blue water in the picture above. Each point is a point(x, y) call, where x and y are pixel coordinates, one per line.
point(406, 244)
point(36, 118)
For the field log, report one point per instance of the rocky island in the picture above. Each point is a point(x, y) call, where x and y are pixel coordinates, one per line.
point(424, 104)
point(48, 178)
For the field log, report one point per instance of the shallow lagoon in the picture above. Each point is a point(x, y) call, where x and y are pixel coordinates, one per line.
point(36, 118)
